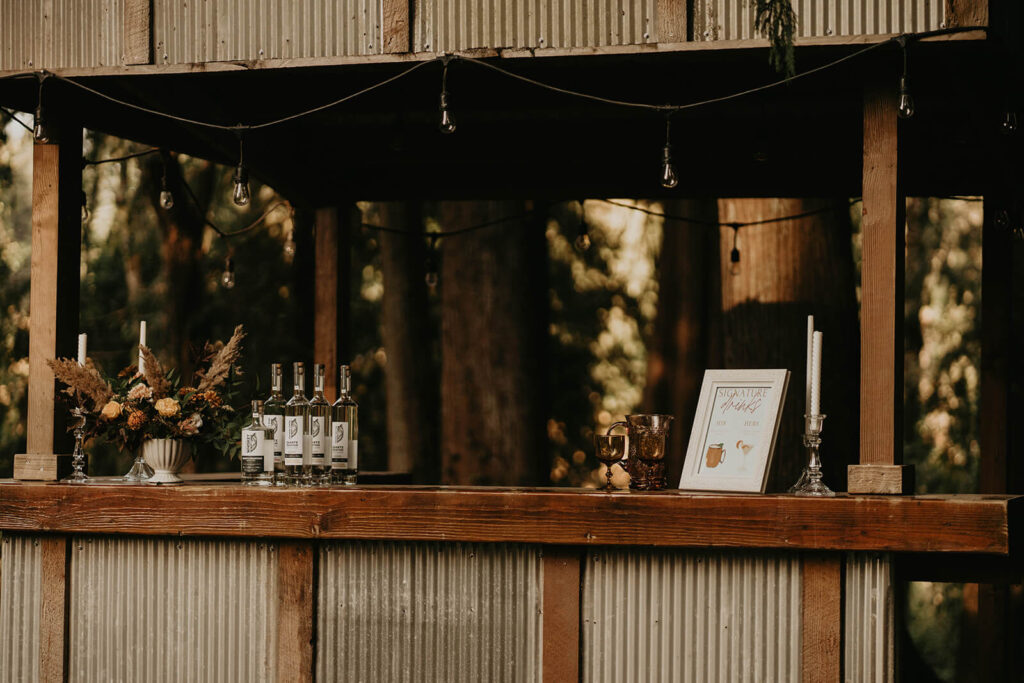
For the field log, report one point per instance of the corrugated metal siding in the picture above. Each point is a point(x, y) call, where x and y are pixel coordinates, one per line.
point(734, 19)
point(429, 612)
point(187, 31)
point(449, 25)
point(52, 34)
point(870, 619)
point(172, 610)
point(687, 616)
point(20, 563)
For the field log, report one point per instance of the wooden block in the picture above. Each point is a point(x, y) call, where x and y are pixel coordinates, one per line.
point(295, 600)
point(137, 33)
point(40, 467)
point(671, 21)
point(561, 615)
point(967, 12)
point(821, 602)
point(891, 479)
point(53, 608)
point(395, 26)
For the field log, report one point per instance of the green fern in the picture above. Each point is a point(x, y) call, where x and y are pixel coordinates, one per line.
point(776, 20)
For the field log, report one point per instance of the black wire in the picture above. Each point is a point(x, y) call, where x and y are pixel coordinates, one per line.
point(733, 224)
point(216, 228)
point(126, 157)
point(14, 118)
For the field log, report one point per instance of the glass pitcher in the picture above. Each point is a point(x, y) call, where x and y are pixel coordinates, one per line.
point(647, 435)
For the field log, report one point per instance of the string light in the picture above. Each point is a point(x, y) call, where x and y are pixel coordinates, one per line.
point(289, 245)
point(1002, 219)
point(447, 123)
point(431, 277)
point(39, 131)
point(583, 234)
point(240, 196)
point(85, 208)
point(905, 108)
point(166, 198)
point(1009, 123)
point(734, 255)
point(227, 278)
point(669, 179)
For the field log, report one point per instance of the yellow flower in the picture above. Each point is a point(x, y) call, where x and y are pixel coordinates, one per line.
point(140, 392)
point(136, 419)
point(167, 407)
point(212, 397)
point(111, 410)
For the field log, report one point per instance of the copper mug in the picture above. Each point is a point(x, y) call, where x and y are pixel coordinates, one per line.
point(645, 464)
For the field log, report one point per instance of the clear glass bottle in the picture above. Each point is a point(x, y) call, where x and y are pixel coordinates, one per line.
point(319, 430)
point(296, 429)
point(273, 417)
point(345, 433)
point(257, 450)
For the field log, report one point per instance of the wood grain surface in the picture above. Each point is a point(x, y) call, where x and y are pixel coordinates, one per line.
point(53, 609)
point(562, 615)
point(295, 617)
point(968, 523)
point(821, 602)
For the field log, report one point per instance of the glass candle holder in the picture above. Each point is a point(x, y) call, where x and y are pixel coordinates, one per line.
point(810, 482)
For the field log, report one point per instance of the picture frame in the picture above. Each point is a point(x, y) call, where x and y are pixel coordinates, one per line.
point(734, 430)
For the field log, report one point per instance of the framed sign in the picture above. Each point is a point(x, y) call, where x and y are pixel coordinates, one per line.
point(734, 430)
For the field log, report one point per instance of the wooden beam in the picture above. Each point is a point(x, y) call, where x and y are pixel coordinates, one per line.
point(295, 611)
point(332, 249)
point(892, 479)
point(54, 612)
point(395, 26)
point(137, 32)
point(671, 21)
point(882, 277)
point(561, 647)
point(981, 524)
point(53, 299)
point(821, 604)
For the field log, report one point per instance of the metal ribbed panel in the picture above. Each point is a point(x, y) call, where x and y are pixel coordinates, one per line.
point(172, 610)
point(52, 34)
point(870, 619)
point(734, 19)
point(20, 563)
point(429, 612)
point(688, 616)
point(449, 25)
point(186, 31)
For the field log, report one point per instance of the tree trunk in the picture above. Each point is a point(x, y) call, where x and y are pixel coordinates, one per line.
point(680, 349)
point(492, 337)
point(788, 270)
point(410, 383)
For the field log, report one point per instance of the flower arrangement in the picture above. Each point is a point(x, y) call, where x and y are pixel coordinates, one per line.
point(134, 407)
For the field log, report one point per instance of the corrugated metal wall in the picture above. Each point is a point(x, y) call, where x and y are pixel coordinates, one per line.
point(869, 630)
point(52, 34)
point(154, 610)
point(734, 19)
point(187, 31)
point(449, 25)
point(20, 594)
point(690, 616)
point(429, 612)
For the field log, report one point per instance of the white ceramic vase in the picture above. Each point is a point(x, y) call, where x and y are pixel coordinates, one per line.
point(166, 457)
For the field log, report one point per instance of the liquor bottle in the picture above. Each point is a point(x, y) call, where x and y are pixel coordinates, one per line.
point(345, 433)
point(257, 450)
point(296, 428)
point(273, 417)
point(319, 428)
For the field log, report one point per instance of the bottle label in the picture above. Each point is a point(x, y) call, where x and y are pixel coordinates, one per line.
point(253, 450)
point(307, 451)
point(339, 445)
point(353, 455)
point(318, 439)
point(276, 422)
point(293, 438)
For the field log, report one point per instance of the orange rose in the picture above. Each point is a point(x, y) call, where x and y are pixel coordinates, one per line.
point(136, 419)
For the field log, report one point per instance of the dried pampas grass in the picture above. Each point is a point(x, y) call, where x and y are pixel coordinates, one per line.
point(84, 380)
point(156, 378)
point(222, 362)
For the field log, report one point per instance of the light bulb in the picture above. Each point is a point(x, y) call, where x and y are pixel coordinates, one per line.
point(166, 198)
point(734, 258)
point(227, 278)
point(431, 279)
point(1009, 125)
point(669, 179)
point(39, 129)
point(583, 240)
point(906, 103)
point(241, 194)
point(85, 208)
point(1002, 219)
point(447, 123)
point(289, 246)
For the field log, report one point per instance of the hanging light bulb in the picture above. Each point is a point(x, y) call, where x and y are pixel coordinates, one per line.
point(583, 234)
point(1002, 219)
point(227, 278)
point(166, 198)
point(289, 245)
point(39, 131)
point(734, 255)
point(669, 179)
point(85, 208)
point(1009, 124)
point(431, 278)
point(240, 196)
point(905, 107)
point(447, 123)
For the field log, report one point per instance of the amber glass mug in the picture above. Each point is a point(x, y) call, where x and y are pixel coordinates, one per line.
point(647, 435)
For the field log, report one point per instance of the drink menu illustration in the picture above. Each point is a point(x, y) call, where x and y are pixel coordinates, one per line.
point(739, 415)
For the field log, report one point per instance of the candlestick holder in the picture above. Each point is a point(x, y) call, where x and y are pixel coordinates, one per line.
point(140, 471)
point(77, 475)
point(810, 483)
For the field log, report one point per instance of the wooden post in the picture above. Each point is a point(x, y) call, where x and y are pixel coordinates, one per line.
point(882, 284)
point(821, 602)
point(561, 647)
point(395, 26)
point(53, 299)
point(332, 248)
point(137, 32)
point(296, 599)
point(671, 21)
point(54, 612)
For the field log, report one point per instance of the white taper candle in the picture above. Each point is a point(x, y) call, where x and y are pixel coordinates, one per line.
point(142, 342)
point(816, 375)
point(81, 348)
point(807, 376)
